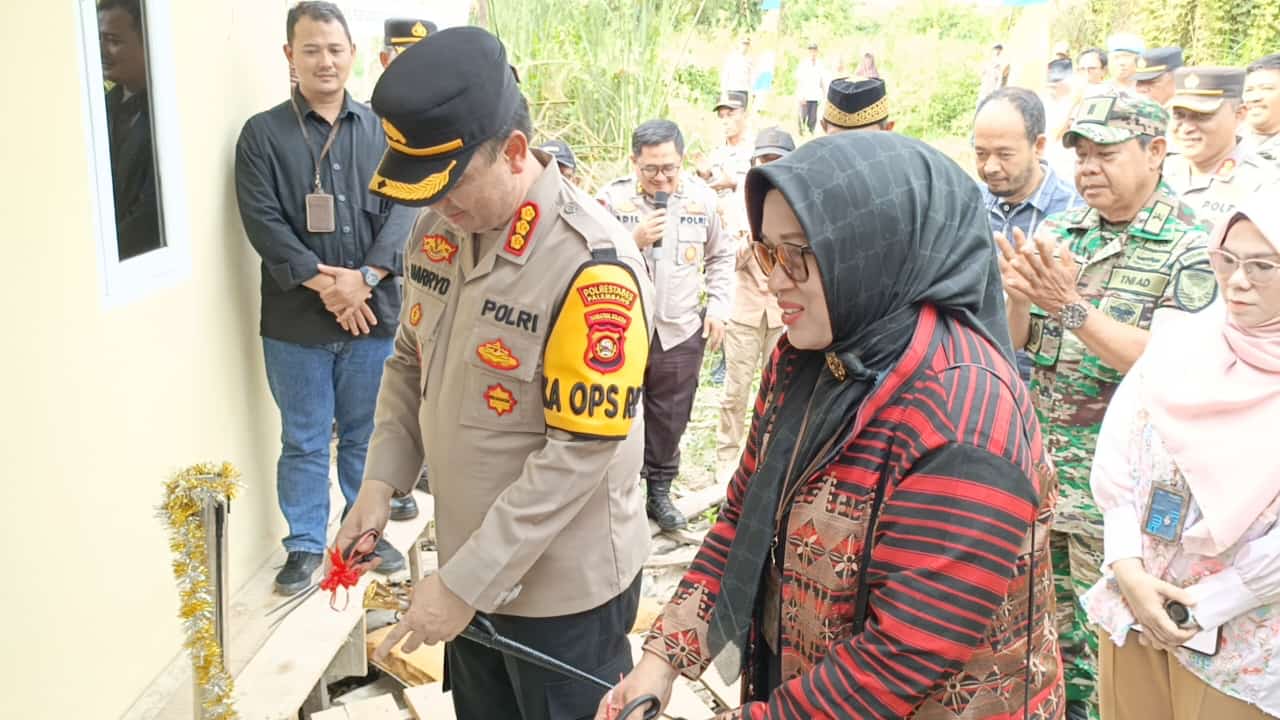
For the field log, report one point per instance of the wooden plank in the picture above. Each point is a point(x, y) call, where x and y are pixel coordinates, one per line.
point(422, 666)
point(682, 555)
point(351, 659)
point(382, 707)
point(275, 681)
point(429, 702)
point(728, 695)
point(169, 696)
point(685, 704)
point(647, 613)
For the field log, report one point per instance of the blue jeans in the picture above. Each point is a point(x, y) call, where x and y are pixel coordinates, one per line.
point(313, 386)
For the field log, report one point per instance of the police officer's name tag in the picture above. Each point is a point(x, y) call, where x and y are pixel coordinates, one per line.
point(1166, 513)
point(320, 212)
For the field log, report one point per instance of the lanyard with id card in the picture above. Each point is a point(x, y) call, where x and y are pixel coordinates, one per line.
point(1166, 512)
point(319, 204)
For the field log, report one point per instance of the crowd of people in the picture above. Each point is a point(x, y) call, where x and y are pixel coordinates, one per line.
point(1007, 429)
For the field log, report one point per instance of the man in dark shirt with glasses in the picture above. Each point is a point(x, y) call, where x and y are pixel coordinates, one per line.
point(330, 252)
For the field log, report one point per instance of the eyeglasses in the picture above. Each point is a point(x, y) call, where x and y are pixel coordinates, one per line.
point(1259, 272)
point(789, 255)
point(651, 171)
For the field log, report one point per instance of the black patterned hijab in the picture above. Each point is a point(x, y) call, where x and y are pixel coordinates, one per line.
point(893, 224)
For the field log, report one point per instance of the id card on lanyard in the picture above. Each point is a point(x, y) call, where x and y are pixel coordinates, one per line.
point(319, 204)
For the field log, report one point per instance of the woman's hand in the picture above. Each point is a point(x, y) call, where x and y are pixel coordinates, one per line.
point(1146, 596)
point(653, 676)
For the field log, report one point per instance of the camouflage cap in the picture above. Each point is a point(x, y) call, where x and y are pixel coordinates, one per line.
point(1116, 118)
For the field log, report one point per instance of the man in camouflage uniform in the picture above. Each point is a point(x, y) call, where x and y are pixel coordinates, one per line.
point(1213, 173)
point(1082, 296)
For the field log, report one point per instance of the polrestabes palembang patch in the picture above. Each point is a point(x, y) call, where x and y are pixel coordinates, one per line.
point(595, 355)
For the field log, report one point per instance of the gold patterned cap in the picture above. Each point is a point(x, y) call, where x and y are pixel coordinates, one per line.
point(854, 103)
point(434, 121)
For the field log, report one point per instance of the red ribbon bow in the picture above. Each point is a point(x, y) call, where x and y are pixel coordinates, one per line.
point(340, 575)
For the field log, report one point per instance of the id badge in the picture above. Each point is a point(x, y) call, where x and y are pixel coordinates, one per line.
point(1166, 513)
point(320, 213)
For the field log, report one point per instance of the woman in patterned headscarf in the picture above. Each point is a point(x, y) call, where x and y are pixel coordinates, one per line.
point(890, 411)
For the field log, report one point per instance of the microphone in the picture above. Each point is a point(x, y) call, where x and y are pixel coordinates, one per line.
point(659, 202)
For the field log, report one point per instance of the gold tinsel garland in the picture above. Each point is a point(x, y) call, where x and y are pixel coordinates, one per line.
point(185, 495)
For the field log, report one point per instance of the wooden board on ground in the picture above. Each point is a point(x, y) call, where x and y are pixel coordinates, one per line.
point(647, 613)
point(695, 503)
point(382, 707)
point(429, 702)
point(728, 695)
point(169, 697)
point(422, 666)
point(280, 675)
point(682, 555)
point(685, 704)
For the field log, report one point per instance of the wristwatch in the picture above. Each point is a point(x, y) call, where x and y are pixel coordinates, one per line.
point(371, 277)
point(1074, 314)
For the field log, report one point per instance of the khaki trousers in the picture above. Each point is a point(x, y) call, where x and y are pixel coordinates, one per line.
point(1141, 683)
point(746, 350)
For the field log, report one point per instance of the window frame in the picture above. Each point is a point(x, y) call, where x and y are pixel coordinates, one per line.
point(124, 282)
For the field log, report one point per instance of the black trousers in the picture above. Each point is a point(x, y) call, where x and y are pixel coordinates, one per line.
point(808, 116)
point(488, 685)
point(670, 383)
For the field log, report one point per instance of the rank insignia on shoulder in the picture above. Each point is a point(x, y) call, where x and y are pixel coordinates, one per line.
point(595, 355)
point(522, 228)
point(499, 399)
point(1155, 222)
point(497, 355)
point(415, 314)
point(1227, 167)
point(439, 249)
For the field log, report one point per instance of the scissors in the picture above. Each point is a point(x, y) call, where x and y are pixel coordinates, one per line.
point(395, 597)
point(344, 572)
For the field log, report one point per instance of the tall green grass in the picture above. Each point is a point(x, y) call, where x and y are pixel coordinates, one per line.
point(595, 69)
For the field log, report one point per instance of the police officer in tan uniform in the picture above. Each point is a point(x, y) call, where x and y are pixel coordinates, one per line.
point(518, 366)
point(1213, 173)
point(673, 220)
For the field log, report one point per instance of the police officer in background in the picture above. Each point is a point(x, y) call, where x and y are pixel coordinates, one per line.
point(401, 33)
point(560, 152)
point(1213, 173)
point(398, 34)
point(672, 217)
point(518, 366)
point(1155, 73)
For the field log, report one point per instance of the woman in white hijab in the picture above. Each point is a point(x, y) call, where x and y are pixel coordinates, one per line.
point(1188, 480)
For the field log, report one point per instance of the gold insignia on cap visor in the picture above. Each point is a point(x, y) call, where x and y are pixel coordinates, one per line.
point(418, 30)
point(425, 188)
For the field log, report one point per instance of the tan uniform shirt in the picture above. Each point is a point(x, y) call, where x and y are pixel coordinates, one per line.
point(530, 520)
point(695, 243)
point(1214, 197)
